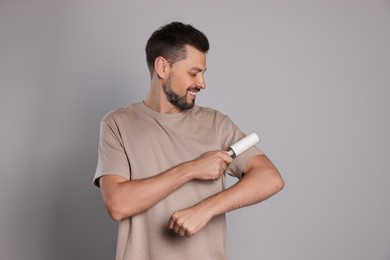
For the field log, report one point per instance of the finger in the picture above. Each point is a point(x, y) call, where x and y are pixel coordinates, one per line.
point(181, 232)
point(224, 166)
point(226, 157)
point(176, 228)
point(171, 223)
point(189, 233)
point(222, 169)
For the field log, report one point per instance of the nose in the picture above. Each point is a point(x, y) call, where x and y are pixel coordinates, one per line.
point(201, 82)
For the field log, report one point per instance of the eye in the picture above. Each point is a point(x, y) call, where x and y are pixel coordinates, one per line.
point(193, 74)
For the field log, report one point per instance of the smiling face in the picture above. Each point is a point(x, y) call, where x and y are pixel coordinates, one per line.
point(186, 79)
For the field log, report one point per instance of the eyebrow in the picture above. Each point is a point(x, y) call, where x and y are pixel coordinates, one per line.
point(198, 69)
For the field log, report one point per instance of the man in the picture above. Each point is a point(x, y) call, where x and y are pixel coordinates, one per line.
point(162, 162)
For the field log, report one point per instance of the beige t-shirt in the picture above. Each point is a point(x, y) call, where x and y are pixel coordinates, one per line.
point(135, 143)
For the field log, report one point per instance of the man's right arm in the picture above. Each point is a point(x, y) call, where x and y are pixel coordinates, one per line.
point(125, 198)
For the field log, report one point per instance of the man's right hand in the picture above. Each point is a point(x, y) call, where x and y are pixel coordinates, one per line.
point(210, 165)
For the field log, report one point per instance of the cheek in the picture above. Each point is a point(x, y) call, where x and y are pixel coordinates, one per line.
point(188, 82)
point(181, 85)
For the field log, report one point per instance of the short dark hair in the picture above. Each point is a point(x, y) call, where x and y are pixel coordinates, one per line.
point(169, 42)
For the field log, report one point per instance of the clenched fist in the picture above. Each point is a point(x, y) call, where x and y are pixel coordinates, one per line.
point(188, 222)
point(210, 165)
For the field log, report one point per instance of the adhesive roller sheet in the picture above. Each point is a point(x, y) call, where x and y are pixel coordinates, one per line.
point(242, 145)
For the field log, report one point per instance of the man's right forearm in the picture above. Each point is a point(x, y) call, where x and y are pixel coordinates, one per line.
point(124, 198)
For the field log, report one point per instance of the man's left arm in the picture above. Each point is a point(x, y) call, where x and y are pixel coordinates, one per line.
point(260, 181)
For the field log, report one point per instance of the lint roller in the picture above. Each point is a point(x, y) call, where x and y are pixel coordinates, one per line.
point(242, 145)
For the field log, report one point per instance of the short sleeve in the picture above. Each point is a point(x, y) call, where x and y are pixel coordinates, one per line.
point(112, 158)
point(229, 134)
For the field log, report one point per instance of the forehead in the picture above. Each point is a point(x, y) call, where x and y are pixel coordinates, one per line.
point(194, 59)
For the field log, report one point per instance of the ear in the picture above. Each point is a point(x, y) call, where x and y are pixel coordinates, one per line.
point(162, 67)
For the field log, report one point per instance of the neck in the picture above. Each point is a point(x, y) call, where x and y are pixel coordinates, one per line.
point(157, 100)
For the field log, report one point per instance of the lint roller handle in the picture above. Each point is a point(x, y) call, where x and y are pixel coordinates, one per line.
point(242, 145)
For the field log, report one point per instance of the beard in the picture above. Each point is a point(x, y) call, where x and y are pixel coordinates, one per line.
point(175, 99)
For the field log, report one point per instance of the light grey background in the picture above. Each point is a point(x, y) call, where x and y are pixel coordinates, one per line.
point(310, 77)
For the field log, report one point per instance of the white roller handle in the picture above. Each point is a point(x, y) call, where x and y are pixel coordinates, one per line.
point(242, 145)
